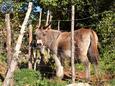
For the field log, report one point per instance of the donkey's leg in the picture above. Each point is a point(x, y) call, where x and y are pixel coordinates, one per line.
point(88, 71)
point(59, 67)
point(86, 63)
point(97, 72)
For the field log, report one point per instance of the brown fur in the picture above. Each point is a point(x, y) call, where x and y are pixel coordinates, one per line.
point(86, 45)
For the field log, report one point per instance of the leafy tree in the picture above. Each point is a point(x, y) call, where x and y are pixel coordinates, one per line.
point(105, 5)
point(106, 30)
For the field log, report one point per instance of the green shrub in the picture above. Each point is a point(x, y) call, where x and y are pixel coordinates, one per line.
point(112, 82)
point(46, 82)
point(3, 58)
point(107, 61)
point(79, 67)
point(106, 33)
point(0, 82)
point(26, 77)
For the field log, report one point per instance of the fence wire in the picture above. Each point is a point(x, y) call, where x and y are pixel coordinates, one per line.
point(95, 15)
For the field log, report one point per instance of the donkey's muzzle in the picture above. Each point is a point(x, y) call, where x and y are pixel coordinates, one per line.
point(39, 44)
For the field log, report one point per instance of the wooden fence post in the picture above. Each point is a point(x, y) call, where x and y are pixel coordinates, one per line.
point(30, 48)
point(47, 20)
point(50, 20)
point(73, 47)
point(59, 25)
point(8, 41)
point(15, 58)
point(40, 16)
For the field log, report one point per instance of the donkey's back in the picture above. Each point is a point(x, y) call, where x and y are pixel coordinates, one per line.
point(85, 41)
point(86, 44)
point(86, 47)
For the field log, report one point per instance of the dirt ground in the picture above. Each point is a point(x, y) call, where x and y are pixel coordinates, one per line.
point(100, 81)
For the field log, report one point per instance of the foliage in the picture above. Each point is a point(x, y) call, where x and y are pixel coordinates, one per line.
point(35, 11)
point(83, 10)
point(112, 82)
point(107, 62)
point(2, 57)
point(0, 83)
point(46, 82)
point(105, 5)
point(26, 77)
point(106, 30)
point(33, 78)
point(7, 6)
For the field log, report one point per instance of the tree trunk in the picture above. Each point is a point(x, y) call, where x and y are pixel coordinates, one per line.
point(8, 41)
point(35, 58)
point(30, 48)
point(73, 47)
point(15, 58)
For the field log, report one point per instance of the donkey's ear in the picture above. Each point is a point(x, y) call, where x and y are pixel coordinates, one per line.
point(47, 27)
point(39, 27)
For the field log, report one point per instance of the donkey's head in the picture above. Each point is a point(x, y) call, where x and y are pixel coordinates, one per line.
point(42, 36)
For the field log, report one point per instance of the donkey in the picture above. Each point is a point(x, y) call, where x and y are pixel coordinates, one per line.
point(86, 47)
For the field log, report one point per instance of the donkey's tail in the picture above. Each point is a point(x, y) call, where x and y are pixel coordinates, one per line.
point(93, 49)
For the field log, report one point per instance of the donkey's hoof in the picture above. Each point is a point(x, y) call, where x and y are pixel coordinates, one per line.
point(60, 72)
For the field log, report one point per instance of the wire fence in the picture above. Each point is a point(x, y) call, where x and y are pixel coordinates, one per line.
point(95, 15)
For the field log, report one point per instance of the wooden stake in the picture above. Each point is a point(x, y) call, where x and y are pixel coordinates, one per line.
point(40, 19)
point(30, 48)
point(15, 58)
point(50, 20)
point(59, 25)
point(73, 47)
point(47, 20)
point(8, 41)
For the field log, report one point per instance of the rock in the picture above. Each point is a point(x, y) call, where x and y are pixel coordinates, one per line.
point(79, 84)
